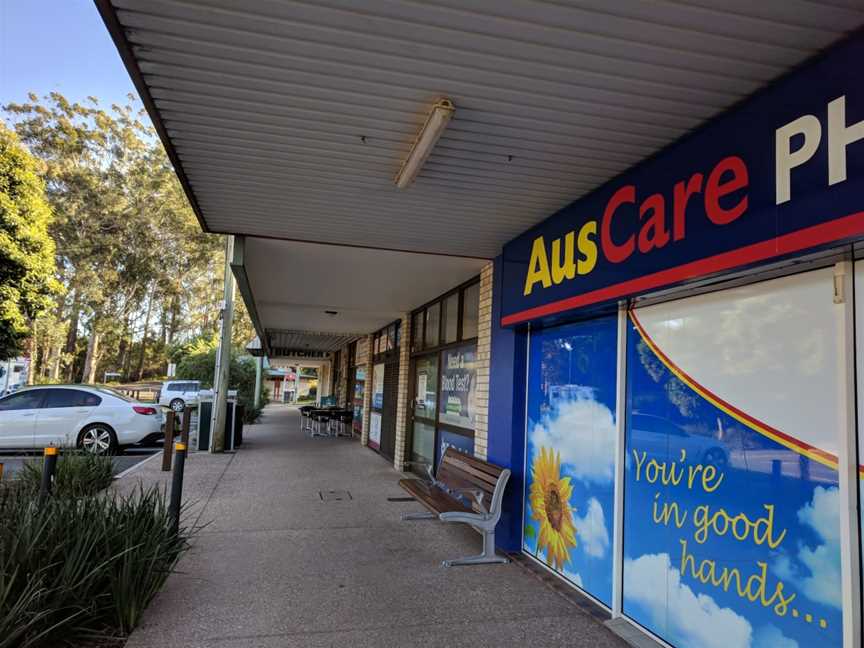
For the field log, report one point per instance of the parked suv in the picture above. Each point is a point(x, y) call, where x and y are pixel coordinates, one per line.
point(177, 394)
point(94, 418)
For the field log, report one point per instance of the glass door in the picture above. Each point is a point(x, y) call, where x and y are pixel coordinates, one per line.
point(424, 409)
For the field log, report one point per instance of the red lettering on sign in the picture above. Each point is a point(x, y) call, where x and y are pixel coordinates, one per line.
point(614, 252)
point(716, 188)
point(680, 197)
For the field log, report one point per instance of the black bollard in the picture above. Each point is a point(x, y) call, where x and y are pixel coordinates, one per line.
point(168, 442)
point(177, 487)
point(184, 428)
point(49, 467)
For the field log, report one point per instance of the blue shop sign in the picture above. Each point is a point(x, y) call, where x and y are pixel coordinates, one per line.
point(781, 174)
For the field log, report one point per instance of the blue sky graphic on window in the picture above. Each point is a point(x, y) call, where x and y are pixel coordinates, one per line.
point(730, 539)
point(570, 454)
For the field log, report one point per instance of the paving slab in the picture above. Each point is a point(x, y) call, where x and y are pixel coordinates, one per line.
point(278, 565)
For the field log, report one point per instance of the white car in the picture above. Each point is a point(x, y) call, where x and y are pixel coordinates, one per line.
point(177, 394)
point(96, 419)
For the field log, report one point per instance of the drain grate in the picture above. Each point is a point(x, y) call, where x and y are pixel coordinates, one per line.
point(334, 495)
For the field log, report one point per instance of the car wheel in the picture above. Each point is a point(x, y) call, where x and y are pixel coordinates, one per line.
point(98, 439)
point(716, 457)
point(177, 405)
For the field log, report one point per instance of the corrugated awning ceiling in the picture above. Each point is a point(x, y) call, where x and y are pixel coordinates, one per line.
point(290, 119)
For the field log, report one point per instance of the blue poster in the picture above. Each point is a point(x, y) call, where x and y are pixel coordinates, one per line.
point(570, 452)
point(459, 442)
point(731, 527)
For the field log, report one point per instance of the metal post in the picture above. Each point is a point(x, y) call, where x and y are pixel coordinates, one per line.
point(187, 423)
point(847, 460)
point(169, 439)
point(49, 467)
point(223, 356)
point(259, 367)
point(620, 463)
point(177, 487)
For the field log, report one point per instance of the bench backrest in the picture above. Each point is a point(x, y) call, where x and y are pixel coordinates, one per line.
point(462, 471)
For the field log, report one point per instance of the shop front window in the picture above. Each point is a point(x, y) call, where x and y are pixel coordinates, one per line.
point(570, 452)
point(359, 393)
point(470, 311)
point(417, 332)
point(433, 321)
point(458, 387)
point(451, 319)
point(732, 509)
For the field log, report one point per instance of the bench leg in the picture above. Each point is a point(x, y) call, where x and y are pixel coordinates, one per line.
point(425, 515)
point(488, 557)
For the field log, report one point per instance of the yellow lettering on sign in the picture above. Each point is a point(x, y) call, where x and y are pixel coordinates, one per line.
point(566, 268)
point(587, 248)
point(538, 268)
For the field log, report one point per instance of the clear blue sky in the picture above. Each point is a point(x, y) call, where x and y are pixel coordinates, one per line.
point(58, 45)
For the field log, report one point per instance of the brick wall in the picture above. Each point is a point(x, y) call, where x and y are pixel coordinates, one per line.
point(484, 339)
point(341, 396)
point(399, 455)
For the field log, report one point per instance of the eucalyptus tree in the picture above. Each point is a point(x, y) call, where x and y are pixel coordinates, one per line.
point(128, 245)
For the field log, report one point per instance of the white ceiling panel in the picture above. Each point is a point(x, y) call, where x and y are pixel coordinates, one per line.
point(294, 284)
point(289, 118)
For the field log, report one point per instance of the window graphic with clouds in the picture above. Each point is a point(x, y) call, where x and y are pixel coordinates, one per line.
point(570, 452)
point(731, 533)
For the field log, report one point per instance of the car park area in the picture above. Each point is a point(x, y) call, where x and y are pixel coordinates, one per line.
point(13, 462)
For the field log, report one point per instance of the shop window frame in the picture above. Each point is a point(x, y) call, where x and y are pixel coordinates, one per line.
point(847, 459)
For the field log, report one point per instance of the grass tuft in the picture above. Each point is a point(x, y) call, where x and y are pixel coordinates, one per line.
point(80, 570)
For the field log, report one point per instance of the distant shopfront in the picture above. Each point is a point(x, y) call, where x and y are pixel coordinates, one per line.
point(681, 346)
point(443, 381)
point(385, 389)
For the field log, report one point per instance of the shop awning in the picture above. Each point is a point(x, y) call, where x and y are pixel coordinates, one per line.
point(289, 120)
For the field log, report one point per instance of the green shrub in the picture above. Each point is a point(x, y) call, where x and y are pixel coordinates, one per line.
point(80, 569)
point(200, 364)
point(78, 474)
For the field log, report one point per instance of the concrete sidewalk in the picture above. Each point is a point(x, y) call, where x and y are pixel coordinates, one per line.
point(276, 566)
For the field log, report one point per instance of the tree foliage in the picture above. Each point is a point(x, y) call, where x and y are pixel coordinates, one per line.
point(27, 282)
point(140, 275)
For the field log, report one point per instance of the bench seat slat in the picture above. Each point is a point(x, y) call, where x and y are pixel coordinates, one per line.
point(433, 498)
point(485, 466)
point(467, 472)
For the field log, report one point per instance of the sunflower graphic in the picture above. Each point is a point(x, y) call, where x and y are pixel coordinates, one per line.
point(550, 506)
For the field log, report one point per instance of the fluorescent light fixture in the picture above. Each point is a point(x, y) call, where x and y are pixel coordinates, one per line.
point(436, 122)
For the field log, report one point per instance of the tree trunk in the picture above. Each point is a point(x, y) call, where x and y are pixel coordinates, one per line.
point(56, 356)
point(172, 326)
point(91, 358)
point(123, 348)
point(72, 334)
point(140, 370)
point(31, 371)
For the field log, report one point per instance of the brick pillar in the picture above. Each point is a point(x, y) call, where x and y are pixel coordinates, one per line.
point(341, 396)
point(367, 392)
point(484, 339)
point(400, 455)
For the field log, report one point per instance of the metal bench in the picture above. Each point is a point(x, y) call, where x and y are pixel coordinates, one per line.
point(467, 490)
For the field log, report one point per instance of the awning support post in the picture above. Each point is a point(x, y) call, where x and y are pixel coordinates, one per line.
point(223, 356)
point(259, 367)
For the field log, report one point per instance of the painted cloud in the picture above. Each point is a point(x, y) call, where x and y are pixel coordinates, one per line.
point(771, 637)
point(682, 616)
point(591, 530)
point(581, 432)
point(822, 584)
